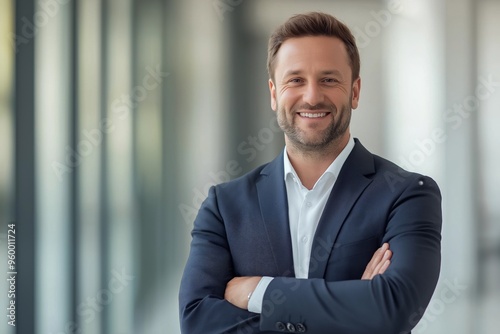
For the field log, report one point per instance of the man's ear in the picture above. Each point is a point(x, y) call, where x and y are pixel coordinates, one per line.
point(272, 90)
point(356, 87)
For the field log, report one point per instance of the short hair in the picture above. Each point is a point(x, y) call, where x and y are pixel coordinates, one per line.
point(313, 24)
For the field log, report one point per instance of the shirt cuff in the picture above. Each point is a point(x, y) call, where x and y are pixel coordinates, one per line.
point(255, 301)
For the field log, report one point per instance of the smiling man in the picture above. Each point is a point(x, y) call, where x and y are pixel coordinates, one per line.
point(326, 238)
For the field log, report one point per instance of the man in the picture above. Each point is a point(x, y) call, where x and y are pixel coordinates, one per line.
point(302, 244)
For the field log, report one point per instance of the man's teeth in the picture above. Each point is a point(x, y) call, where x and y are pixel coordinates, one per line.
point(313, 115)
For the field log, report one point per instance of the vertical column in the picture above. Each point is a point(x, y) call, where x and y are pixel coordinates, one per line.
point(55, 164)
point(74, 121)
point(173, 226)
point(117, 294)
point(7, 54)
point(460, 191)
point(25, 204)
point(103, 160)
point(150, 77)
point(90, 134)
point(489, 178)
point(7, 170)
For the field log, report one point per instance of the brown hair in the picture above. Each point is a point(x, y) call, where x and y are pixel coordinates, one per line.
point(313, 24)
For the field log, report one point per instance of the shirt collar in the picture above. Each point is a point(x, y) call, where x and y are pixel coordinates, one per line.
point(333, 169)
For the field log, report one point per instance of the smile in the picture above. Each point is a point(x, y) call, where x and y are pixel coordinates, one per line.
point(313, 115)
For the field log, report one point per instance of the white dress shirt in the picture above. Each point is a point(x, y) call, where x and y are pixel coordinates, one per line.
point(304, 212)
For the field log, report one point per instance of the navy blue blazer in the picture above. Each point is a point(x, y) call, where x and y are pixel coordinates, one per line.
point(242, 229)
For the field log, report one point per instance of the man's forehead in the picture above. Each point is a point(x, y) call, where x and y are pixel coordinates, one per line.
point(313, 43)
point(327, 55)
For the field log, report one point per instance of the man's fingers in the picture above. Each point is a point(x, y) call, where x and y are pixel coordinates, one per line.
point(377, 257)
point(385, 266)
point(378, 269)
point(377, 262)
point(370, 267)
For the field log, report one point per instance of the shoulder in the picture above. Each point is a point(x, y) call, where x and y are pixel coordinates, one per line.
point(387, 175)
point(248, 181)
point(398, 180)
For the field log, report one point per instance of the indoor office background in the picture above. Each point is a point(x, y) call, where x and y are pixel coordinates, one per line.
point(117, 115)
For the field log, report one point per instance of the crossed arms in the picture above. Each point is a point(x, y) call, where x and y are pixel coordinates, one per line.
point(387, 299)
point(239, 289)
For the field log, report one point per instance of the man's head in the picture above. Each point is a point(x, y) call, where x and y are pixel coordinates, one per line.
point(313, 24)
point(314, 81)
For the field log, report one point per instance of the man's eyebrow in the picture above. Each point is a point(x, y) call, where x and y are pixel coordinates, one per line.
point(291, 72)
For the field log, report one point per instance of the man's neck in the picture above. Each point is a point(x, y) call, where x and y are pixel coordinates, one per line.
point(310, 165)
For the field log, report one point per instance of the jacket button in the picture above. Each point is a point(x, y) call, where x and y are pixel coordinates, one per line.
point(300, 328)
point(280, 326)
point(290, 327)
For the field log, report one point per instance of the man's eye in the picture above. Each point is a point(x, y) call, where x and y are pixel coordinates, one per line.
point(330, 80)
point(295, 80)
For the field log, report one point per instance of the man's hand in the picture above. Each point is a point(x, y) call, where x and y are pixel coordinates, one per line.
point(238, 289)
point(379, 262)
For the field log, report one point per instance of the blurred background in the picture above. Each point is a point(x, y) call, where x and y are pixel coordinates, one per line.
point(116, 116)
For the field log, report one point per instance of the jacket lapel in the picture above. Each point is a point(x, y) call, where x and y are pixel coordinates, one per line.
point(274, 208)
point(349, 186)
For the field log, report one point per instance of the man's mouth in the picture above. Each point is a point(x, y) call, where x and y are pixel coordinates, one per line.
point(313, 115)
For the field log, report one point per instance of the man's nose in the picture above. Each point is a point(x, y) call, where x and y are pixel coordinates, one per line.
point(312, 94)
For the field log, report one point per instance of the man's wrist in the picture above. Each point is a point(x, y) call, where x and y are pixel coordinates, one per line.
point(257, 295)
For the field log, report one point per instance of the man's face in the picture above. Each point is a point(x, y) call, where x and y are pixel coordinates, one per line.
point(313, 92)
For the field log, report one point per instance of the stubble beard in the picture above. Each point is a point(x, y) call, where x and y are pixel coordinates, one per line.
point(298, 138)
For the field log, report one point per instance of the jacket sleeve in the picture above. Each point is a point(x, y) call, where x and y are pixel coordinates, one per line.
point(391, 303)
point(209, 267)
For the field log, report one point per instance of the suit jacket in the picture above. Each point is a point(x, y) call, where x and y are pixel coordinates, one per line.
point(242, 229)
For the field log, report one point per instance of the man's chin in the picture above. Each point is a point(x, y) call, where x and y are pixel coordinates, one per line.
point(314, 139)
point(311, 144)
